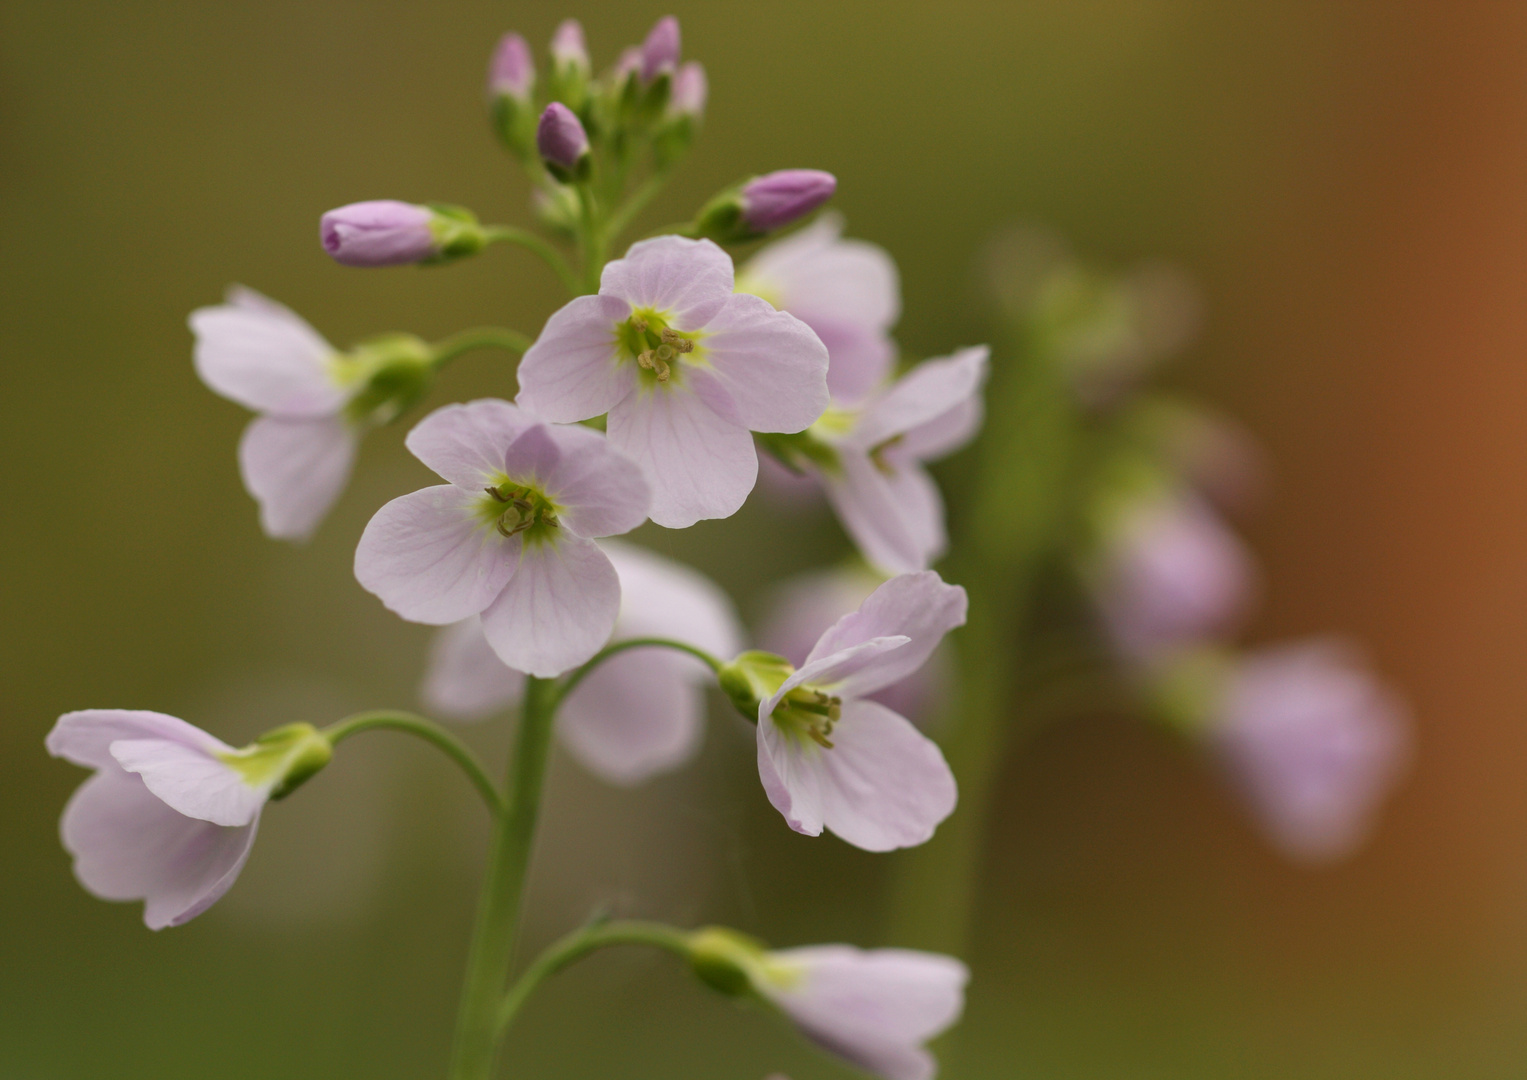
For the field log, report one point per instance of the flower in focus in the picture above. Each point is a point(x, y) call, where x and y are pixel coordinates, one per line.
point(295, 457)
point(684, 367)
point(171, 812)
point(776, 199)
point(385, 232)
point(638, 713)
point(847, 291)
point(828, 756)
point(803, 608)
point(874, 1008)
point(510, 537)
point(1314, 741)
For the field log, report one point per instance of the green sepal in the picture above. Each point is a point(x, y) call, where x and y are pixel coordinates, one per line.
point(293, 754)
point(725, 960)
point(457, 232)
point(750, 677)
point(798, 451)
point(399, 370)
point(514, 123)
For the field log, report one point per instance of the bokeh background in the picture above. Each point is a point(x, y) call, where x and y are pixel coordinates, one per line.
point(1346, 180)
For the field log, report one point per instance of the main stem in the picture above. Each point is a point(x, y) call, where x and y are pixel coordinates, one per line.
point(503, 889)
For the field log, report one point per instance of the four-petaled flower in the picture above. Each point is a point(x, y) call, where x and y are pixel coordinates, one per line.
point(638, 713)
point(684, 367)
point(830, 757)
point(510, 537)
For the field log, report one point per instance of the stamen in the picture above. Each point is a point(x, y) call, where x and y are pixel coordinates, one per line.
point(678, 342)
point(497, 494)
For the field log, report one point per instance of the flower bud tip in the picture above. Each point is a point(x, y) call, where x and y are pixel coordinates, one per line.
point(512, 72)
point(776, 199)
point(382, 232)
point(560, 138)
point(661, 49)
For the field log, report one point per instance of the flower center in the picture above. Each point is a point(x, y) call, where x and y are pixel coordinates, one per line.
point(809, 712)
point(656, 347)
point(516, 508)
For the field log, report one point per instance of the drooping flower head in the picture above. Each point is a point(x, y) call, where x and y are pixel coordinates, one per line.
point(827, 755)
point(171, 813)
point(638, 713)
point(684, 367)
point(510, 537)
point(874, 1008)
point(313, 401)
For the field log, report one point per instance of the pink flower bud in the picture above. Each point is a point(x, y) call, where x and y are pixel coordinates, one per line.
point(512, 72)
point(776, 199)
point(560, 137)
point(661, 49)
point(568, 47)
point(689, 91)
point(629, 63)
point(383, 232)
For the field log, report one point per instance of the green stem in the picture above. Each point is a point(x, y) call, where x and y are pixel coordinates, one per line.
point(580, 943)
point(621, 219)
point(508, 234)
point(480, 337)
point(591, 239)
point(503, 889)
point(578, 674)
point(432, 733)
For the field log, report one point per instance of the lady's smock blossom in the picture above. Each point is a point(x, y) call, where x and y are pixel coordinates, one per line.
point(512, 71)
point(382, 232)
point(684, 367)
point(827, 755)
point(847, 291)
point(171, 812)
point(510, 537)
point(1314, 741)
point(638, 713)
point(660, 51)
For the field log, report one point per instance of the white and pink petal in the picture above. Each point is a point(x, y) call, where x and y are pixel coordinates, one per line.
point(296, 470)
point(557, 610)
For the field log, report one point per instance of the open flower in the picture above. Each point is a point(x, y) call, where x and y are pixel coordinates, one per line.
point(638, 713)
point(171, 812)
point(684, 367)
point(828, 756)
point(510, 537)
point(847, 291)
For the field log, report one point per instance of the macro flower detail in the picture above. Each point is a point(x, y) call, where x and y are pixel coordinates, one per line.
point(827, 755)
point(561, 141)
point(847, 291)
point(171, 813)
point(510, 537)
point(684, 367)
point(638, 713)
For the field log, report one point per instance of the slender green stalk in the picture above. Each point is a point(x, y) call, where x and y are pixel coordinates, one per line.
point(503, 889)
point(591, 238)
point(580, 943)
point(621, 219)
point(479, 337)
point(578, 674)
point(508, 234)
point(432, 733)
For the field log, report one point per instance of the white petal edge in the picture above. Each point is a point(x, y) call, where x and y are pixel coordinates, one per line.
point(574, 370)
point(558, 609)
point(296, 470)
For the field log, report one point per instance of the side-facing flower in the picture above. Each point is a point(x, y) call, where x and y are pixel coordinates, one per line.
point(827, 755)
point(638, 713)
point(874, 1008)
point(776, 199)
point(295, 457)
point(684, 367)
point(385, 232)
point(171, 812)
point(510, 537)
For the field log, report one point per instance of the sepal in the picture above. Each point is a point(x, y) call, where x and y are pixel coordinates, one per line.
point(751, 678)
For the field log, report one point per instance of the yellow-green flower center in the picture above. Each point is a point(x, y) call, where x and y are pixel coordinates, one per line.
point(655, 346)
point(518, 509)
point(809, 713)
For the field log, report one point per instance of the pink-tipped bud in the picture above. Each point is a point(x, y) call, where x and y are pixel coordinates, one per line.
point(383, 232)
point(690, 90)
point(568, 48)
point(776, 199)
point(561, 140)
point(661, 49)
point(512, 72)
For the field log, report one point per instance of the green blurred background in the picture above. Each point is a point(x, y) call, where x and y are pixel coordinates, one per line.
point(1348, 181)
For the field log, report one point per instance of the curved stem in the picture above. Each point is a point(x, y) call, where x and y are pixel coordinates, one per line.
point(508, 234)
point(580, 943)
point(503, 888)
point(479, 337)
point(579, 674)
point(432, 733)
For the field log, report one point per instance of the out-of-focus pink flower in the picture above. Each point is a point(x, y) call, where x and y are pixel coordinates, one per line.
point(560, 138)
point(568, 50)
point(510, 538)
point(660, 52)
point(512, 72)
point(684, 367)
point(690, 90)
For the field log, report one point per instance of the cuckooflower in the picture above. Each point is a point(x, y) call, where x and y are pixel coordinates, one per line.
point(1314, 741)
point(684, 367)
point(510, 537)
point(660, 51)
point(171, 812)
point(638, 713)
point(512, 71)
point(830, 757)
point(847, 291)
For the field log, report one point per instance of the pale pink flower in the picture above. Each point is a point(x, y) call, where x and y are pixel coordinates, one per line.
point(171, 812)
point(638, 713)
point(684, 367)
point(830, 757)
point(1314, 741)
point(510, 537)
point(296, 456)
point(660, 51)
point(847, 291)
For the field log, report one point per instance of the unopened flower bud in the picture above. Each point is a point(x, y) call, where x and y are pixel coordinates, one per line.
point(763, 204)
point(568, 49)
point(751, 677)
point(512, 72)
point(385, 232)
point(690, 90)
point(661, 49)
point(562, 142)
